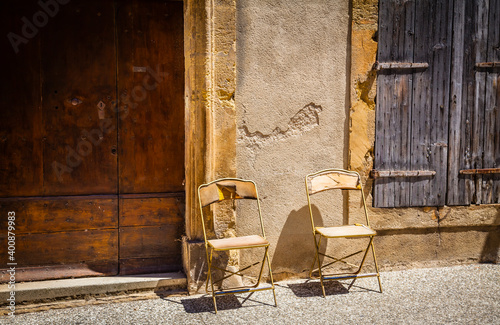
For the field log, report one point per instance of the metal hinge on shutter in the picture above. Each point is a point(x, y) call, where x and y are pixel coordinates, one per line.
point(479, 171)
point(402, 173)
point(400, 65)
point(488, 65)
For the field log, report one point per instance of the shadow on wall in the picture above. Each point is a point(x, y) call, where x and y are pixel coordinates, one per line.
point(295, 247)
point(492, 244)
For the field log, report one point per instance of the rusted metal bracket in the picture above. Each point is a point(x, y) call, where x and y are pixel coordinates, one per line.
point(400, 65)
point(402, 173)
point(480, 171)
point(488, 65)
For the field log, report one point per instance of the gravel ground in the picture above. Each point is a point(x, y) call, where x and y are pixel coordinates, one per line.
point(452, 295)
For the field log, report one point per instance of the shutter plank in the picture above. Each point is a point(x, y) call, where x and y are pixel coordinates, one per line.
point(490, 186)
point(405, 100)
point(466, 184)
point(430, 122)
point(454, 194)
point(421, 99)
point(480, 44)
point(394, 101)
point(440, 103)
point(383, 92)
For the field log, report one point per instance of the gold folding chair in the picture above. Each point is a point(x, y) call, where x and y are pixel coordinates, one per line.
point(232, 189)
point(340, 179)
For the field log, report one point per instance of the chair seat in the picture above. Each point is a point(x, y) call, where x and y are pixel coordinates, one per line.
point(345, 231)
point(238, 242)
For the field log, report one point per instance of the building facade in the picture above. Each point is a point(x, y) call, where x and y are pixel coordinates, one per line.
point(270, 91)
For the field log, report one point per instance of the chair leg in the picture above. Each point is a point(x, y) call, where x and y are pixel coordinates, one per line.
point(314, 262)
point(262, 267)
point(209, 259)
point(362, 262)
point(271, 276)
point(318, 243)
point(376, 267)
point(316, 256)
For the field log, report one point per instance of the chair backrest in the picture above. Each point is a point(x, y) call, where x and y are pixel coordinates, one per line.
point(333, 179)
point(228, 189)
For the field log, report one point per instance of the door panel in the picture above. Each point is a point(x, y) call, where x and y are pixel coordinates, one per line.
point(20, 104)
point(151, 135)
point(150, 232)
point(151, 88)
point(78, 156)
point(73, 236)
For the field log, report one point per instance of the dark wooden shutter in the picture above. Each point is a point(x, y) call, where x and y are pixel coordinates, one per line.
point(475, 100)
point(394, 88)
point(413, 102)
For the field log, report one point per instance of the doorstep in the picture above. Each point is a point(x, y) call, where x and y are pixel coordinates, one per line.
point(56, 289)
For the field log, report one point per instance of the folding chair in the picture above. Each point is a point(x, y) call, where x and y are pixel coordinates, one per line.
point(339, 179)
point(232, 189)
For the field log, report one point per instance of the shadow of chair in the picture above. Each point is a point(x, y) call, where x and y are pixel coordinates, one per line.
point(292, 250)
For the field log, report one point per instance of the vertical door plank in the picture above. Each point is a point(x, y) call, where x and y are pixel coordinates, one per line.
point(151, 90)
point(20, 104)
point(490, 186)
point(78, 63)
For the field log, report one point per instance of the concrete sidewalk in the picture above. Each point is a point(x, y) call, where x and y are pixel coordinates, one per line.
point(92, 286)
point(452, 295)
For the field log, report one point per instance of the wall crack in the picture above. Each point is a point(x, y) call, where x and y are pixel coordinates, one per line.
point(306, 119)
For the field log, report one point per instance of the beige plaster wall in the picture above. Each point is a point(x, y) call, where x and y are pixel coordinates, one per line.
point(291, 100)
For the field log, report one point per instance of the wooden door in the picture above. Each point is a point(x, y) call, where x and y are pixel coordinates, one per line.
point(95, 178)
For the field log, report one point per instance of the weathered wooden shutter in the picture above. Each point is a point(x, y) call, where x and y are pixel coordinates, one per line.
point(413, 102)
point(475, 104)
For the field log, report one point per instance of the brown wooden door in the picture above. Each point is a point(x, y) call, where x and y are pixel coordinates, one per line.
point(92, 136)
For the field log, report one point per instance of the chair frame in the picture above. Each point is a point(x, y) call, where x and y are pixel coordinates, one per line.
point(210, 249)
point(318, 235)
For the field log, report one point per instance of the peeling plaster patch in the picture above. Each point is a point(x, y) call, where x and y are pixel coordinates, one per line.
point(365, 89)
point(306, 119)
